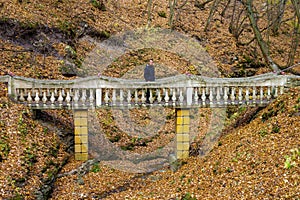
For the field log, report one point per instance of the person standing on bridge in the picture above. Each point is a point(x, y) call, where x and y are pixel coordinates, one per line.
point(149, 75)
point(149, 71)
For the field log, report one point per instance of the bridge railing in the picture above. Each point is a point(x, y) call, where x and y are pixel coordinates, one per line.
point(177, 91)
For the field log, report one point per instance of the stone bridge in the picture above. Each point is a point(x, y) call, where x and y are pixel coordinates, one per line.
point(181, 92)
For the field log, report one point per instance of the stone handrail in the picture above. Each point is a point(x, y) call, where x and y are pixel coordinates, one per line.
point(177, 91)
point(4, 79)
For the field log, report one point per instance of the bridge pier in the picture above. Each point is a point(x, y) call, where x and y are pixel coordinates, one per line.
point(182, 132)
point(81, 134)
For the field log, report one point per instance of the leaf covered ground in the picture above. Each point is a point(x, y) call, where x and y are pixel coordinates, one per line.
point(258, 160)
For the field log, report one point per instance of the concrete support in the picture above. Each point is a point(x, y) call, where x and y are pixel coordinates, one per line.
point(182, 133)
point(81, 134)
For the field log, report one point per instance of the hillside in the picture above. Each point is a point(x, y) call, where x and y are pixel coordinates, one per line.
point(257, 157)
point(254, 161)
point(38, 37)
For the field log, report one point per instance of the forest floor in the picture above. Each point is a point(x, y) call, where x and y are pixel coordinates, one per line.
point(257, 155)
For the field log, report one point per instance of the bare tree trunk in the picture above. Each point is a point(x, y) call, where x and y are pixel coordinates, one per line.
point(225, 8)
point(278, 18)
point(231, 29)
point(263, 47)
point(172, 5)
point(237, 21)
point(149, 6)
point(297, 8)
point(211, 14)
point(201, 5)
point(294, 45)
point(295, 41)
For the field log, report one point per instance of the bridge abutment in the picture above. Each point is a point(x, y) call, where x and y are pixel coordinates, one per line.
point(182, 133)
point(81, 134)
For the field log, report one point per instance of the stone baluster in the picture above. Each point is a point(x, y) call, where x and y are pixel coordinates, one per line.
point(37, 98)
point(99, 97)
point(52, 98)
point(196, 97)
point(254, 95)
point(276, 92)
point(92, 98)
point(240, 95)
point(232, 96)
point(159, 98)
point(83, 96)
point(218, 96)
point(181, 98)
point(261, 95)
point(129, 97)
point(206, 90)
point(60, 98)
point(281, 89)
point(121, 97)
point(143, 97)
point(188, 94)
point(114, 98)
point(63, 93)
point(136, 97)
point(269, 93)
point(151, 99)
point(17, 94)
point(106, 97)
point(211, 97)
point(203, 97)
point(72, 93)
point(44, 99)
point(225, 95)
point(68, 97)
point(48, 92)
point(21, 95)
point(173, 96)
point(29, 98)
point(76, 97)
point(247, 95)
point(167, 98)
point(221, 91)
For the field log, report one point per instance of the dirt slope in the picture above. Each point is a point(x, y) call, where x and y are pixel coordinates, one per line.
point(257, 161)
point(42, 38)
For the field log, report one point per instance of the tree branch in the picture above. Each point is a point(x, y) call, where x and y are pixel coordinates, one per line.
point(263, 47)
point(201, 5)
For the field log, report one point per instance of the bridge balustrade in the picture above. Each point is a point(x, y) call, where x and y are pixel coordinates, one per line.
point(179, 91)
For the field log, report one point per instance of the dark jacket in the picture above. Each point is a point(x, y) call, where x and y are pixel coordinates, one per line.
point(149, 73)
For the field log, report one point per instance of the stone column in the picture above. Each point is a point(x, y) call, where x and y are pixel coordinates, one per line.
point(182, 133)
point(81, 134)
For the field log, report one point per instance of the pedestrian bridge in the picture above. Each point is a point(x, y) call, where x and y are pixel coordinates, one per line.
point(181, 92)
